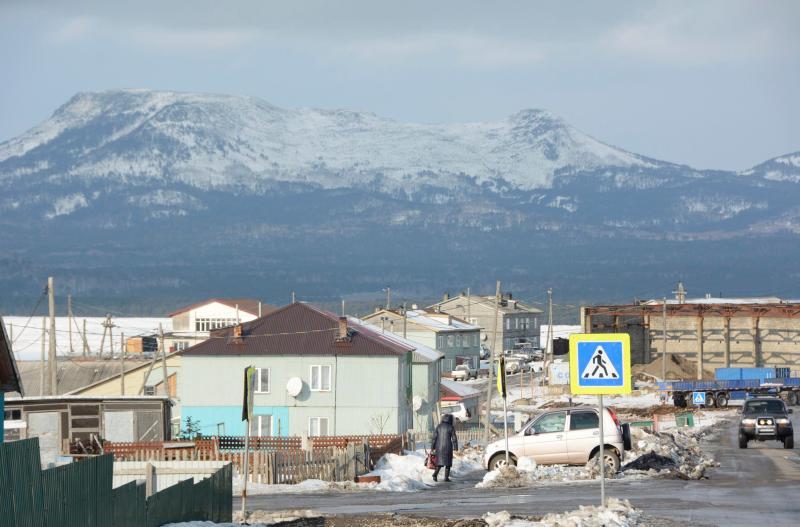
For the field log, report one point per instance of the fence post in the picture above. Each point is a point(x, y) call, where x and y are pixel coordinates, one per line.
point(149, 480)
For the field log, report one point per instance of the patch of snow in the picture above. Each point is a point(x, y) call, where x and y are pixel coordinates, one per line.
point(66, 205)
point(616, 513)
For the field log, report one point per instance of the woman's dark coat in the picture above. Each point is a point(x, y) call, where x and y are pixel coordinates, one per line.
point(444, 441)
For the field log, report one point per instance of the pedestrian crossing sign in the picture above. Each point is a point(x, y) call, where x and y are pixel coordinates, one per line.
point(600, 363)
point(699, 398)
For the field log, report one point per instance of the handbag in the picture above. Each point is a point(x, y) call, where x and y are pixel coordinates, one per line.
point(430, 461)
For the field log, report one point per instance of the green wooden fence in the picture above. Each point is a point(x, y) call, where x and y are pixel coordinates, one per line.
point(80, 494)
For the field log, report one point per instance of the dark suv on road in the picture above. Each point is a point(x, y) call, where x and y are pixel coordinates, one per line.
point(766, 418)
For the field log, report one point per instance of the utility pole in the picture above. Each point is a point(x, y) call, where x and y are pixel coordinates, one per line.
point(11, 332)
point(102, 338)
point(293, 298)
point(548, 350)
point(51, 298)
point(85, 342)
point(388, 298)
point(164, 359)
point(41, 359)
point(469, 302)
point(122, 364)
point(664, 334)
point(343, 308)
point(69, 321)
point(405, 320)
point(487, 416)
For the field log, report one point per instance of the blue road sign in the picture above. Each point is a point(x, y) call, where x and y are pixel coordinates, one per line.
point(699, 398)
point(600, 363)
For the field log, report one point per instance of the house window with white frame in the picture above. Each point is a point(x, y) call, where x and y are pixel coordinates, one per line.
point(321, 378)
point(262, 380)
point(317, 426)
point(261, 425)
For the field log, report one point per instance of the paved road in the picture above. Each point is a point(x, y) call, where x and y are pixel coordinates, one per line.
point(756, 486)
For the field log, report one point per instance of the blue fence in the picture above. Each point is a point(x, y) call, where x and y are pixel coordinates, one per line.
point(80, 494)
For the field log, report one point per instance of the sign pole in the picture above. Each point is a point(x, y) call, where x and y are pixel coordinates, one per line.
point(505, 426)
point(247, 416)
point(602, 455)
point(246, 468)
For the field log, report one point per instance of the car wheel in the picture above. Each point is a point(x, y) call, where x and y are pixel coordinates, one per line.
point(498, 461)
point(742, 441)
point(788, 442)
point(710, 401)
point(611, 459)
point(722, 400)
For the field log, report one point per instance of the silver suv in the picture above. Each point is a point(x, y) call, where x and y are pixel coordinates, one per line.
point(567, 436)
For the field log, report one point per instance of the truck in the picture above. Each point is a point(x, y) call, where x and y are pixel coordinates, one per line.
point(718, 392)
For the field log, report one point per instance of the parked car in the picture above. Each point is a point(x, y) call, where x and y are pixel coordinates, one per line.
point(566, 436)
point(459, 412)
point(464, 372)
point(766, 418)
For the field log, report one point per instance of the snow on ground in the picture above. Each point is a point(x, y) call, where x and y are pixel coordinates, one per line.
point(398, 474)
point(27, 334)
point(616, 513)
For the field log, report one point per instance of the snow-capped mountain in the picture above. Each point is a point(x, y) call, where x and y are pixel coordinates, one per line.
point(782, 168)
point(211, 187)
point(217, 141)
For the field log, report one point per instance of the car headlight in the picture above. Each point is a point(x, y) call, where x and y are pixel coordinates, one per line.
point(748, 421)
point(783, 421)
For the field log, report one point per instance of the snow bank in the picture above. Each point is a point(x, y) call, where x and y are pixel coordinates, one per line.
point(617, 513)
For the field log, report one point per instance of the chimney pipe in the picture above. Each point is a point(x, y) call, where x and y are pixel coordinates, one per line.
point(342, 328)
point(237, 334)
point(446, 297)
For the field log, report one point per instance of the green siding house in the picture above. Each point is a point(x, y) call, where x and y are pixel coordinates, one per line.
point(351, 379)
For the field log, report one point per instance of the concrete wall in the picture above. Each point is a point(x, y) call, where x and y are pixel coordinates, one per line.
point(368, 394)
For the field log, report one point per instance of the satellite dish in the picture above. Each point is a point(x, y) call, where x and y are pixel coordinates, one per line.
point(294, 386)
point(417, 403)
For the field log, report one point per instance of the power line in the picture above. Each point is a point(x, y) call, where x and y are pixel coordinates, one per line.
point(33, 312)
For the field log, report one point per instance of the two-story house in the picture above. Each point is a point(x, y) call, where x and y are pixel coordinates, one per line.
point(457, 339)
point(318, 374)
point(518, 322)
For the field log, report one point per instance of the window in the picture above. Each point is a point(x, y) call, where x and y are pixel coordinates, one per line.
point(317, 426)
point(262, 380)
point(451, 341)
point(583, 421)
point(261, 425)
point(181, 345)
point(550, 423)
point(508, 322)
point(320, 378)
point(149, 390)
point(207, 324)
point(12, 415)
point(458, 341)
point(440, 342)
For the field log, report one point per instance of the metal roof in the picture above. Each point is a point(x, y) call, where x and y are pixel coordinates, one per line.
point(297, 329)
point(421, 354)
point(451, 390)
point(75, 374)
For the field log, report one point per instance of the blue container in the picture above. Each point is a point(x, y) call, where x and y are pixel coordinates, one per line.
point(782, 373)
point(738, 396)
point(728, 374)
point(758, 373)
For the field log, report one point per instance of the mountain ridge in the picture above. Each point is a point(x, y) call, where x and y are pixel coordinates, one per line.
point(126, 192)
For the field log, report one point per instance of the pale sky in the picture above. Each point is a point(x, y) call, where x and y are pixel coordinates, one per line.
point(712, 84)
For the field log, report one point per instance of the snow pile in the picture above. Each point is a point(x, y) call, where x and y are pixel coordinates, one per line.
point(308, 486)
point(616, 513)
point(408, 472)
point(528, 472)
point(676, 453)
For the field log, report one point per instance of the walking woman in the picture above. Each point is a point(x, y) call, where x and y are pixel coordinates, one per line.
point(444, 442)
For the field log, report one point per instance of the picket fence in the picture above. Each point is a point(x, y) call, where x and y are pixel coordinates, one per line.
point(274, 460)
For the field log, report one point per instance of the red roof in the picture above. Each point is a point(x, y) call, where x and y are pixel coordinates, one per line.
point(296, 329)
point(246, 305)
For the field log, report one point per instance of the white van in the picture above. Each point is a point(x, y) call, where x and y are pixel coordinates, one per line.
point(565, 436)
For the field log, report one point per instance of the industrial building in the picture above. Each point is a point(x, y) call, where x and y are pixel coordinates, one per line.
point(712, 332)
